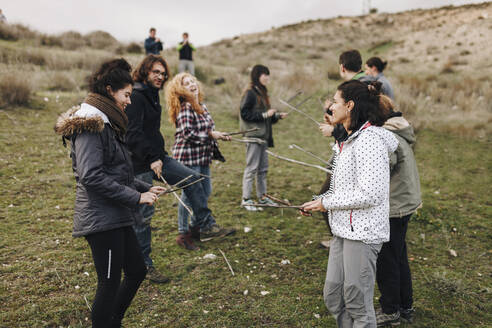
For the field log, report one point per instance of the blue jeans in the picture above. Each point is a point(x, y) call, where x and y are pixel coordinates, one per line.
point(207, 189)
point(173, 172)
point(142, 230)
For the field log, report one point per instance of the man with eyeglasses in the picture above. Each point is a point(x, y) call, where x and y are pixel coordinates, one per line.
point(151, 161)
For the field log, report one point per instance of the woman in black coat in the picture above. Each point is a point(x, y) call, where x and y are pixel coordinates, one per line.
point(107, 194)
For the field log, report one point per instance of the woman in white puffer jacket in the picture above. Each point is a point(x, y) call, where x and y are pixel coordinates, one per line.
point(357, 202)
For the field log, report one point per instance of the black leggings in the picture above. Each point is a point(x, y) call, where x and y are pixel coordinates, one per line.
point(112, 251)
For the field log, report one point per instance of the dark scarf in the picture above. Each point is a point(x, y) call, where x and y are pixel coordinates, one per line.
point(117, 117)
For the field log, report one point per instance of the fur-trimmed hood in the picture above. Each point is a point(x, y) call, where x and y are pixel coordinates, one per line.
point(78, 119)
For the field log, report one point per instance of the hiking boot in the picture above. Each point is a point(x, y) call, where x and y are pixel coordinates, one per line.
point(184, 240)
point(267, 201)
point(195, 233)
point(215, 231)
point(407, 314)
point(247, 204)
point(383, 319)
point(155, 276)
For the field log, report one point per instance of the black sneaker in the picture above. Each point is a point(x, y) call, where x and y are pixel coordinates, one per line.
point(407, 314)
point(155, 276)
point(383, 319)
point(215, 231)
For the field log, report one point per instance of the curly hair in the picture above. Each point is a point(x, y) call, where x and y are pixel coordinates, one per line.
point(176, 94)
point(141, 73)
point(114, 73)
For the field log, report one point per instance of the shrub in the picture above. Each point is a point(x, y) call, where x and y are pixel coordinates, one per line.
point(15, 90)
point(62, 81)
point(13, 32)
point(101, 40)
point(134, 48)
point(72, 40)
point(8, 32)
point(50, 40)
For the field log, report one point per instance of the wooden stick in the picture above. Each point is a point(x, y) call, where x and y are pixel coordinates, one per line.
point(87, 303)
point(299, 111)
point(249, 140)
point(228, 264)
point(182, 180)
point(298, 162)
point(303, 101)
point(309, 153)
point(183, 187)
point(241, 132)
point(278, 200)
point(298, 92)
point(276, 206)
point(177, 197)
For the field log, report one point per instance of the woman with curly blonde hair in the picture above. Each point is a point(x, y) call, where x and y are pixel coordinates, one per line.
point(194, 146)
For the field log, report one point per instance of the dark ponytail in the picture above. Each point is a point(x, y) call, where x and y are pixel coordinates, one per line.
point(115, 73)
point(369, 104)
point(376, 61)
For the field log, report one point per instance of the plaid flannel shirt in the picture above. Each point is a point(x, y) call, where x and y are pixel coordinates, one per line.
point(192, 143)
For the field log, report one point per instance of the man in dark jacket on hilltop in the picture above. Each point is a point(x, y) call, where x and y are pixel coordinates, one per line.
point(152, 44)
point(151, 161)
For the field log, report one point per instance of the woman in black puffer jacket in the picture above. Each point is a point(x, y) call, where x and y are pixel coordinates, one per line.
point(107, 193)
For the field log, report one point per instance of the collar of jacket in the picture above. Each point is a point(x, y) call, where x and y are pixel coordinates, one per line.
point(356, 133)
point(358, 75)
point(152, 94)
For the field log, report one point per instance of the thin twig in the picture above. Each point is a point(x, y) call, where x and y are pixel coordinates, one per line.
point(298, 162)
point(249, 140)
point(303, 101)
point(241, 132)
point(277, 206)
point(177, 197)
point(309, 153)
point(299, 111)
point(87, 303)
point(298, 92)
point(181, 181)
point(63, 283)
point(228, 264)
point(278, 200)
point(183, 187)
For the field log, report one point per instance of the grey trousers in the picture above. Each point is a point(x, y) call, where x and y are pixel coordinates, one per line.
point(349, 285)
point(186, 65)
point(256, 167)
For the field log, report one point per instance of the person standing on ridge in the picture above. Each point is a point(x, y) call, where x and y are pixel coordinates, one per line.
point(152, 44)
point(186, 49)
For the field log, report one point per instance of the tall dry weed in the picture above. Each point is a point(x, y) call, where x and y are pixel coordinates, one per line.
point(15, 90)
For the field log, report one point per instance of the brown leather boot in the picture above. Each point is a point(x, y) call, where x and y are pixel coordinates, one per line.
point(185, 241)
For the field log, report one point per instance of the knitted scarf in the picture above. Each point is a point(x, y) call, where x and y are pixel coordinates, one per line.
point(116, 116)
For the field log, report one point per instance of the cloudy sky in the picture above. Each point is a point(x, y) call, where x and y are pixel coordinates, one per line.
point(206, 20)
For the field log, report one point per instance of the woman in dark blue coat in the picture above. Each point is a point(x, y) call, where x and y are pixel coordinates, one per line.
point(107, 194)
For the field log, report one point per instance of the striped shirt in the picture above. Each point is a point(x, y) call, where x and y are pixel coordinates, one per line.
point(192, 143)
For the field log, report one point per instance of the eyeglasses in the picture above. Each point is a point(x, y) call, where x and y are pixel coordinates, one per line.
point(157, 72)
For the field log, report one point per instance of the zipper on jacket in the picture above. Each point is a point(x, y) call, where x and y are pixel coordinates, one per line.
point(351, 226)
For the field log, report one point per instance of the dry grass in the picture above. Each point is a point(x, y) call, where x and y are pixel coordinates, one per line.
point(15, 89)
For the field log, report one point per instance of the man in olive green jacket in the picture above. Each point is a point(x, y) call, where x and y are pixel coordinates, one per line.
point(393, 272)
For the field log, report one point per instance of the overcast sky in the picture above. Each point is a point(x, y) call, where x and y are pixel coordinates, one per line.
point(206, 20)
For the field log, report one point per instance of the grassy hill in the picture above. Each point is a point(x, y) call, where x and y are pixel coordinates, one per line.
point(439, 66)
